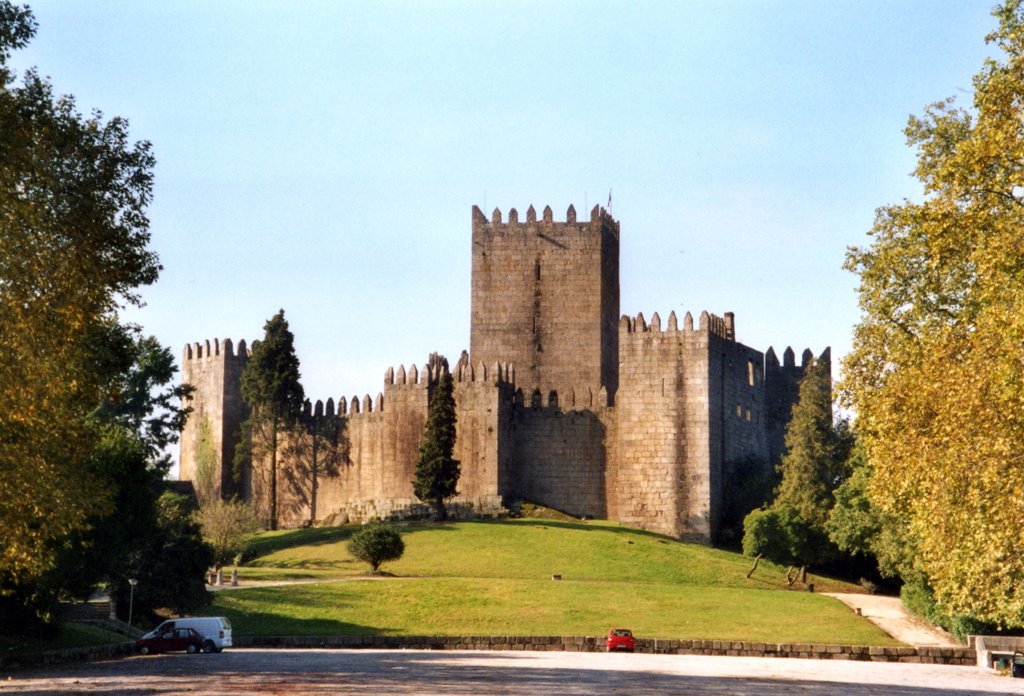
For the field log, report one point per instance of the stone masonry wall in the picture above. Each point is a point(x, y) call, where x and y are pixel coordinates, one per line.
point(370, 471)
point(736, 405)
point(662, 646)
point(782, 389)
point(560, 457)
point(215, 370)
point(657, 435)
point(545, 298)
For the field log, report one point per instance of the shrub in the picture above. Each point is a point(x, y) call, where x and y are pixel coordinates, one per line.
point(375, 544)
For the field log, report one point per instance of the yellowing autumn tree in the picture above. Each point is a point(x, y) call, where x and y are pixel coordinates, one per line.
point(73, 249)
point(936, 375)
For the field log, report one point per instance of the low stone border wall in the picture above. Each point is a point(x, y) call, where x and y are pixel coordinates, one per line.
point(926, 655)
point(55, 657)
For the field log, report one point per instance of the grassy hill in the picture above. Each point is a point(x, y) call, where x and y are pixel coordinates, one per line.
point(495, 577)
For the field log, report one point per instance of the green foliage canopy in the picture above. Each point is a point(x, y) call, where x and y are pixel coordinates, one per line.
point(228, 526)
point(437, 474)
point(274, 394)
point(376, 544)
point(817, 450)
point(171, 566)
point(936, 374)
point(793, 529)
point(73, 250)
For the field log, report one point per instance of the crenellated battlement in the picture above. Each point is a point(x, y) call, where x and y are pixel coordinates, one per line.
point(413, 377)
point(206, 349)
point(567, 399)
point(724, 327)
point(598, 216)
point(496, 373)
point(771, 360)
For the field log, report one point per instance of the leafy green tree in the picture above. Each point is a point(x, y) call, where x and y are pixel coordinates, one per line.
point(817, 451)
point(858, 527)
point(437, 474)
point(376, 544)
point(274, 394)
point(73, 250)
point(816, 462)
point(147, 401)
point(207, 488)
point(936, 371)
point(780, 535)
point(171, 567)
point(228, 526)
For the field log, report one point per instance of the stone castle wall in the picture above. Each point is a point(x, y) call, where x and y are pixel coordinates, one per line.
point(560, 457)
point(366, 451)
point(562, 402)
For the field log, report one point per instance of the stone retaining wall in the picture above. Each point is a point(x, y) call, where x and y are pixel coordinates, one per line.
point(873, 653)
point(56, 657)
point(924, 655)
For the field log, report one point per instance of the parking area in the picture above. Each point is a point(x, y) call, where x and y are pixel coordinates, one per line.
point(313, 672)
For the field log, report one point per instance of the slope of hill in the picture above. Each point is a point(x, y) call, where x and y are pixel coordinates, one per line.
point(496, 578)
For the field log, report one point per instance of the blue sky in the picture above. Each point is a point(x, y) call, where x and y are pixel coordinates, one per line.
point(323, 157)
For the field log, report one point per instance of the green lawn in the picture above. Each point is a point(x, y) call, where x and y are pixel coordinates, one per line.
point(494, 578)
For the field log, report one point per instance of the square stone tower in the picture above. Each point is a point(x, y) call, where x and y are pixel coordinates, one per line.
point(545, 298)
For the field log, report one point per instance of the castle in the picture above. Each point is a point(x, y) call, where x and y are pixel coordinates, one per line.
point(560, 401)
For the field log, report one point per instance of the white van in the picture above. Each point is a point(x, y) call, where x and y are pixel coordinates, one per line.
point(215, 630)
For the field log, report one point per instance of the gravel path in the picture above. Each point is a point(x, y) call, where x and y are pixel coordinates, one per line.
point(889, 614)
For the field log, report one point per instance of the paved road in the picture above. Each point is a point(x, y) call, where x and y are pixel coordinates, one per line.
point(317, 672)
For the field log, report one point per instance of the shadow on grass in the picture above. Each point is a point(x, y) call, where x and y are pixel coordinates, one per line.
point(624, 531)
point(300, 564)
point(263, 624)
point(311, 536)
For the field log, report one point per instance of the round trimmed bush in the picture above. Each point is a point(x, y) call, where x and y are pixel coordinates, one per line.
point(376, 543)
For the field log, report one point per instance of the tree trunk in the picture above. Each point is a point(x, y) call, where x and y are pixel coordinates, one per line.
point(440, 511)
point(803, 574)
point(757, 560)
point(273, 474)
point(791, 575)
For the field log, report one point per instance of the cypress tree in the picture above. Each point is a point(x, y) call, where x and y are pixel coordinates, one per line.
point(437, 474)
point(271, 388)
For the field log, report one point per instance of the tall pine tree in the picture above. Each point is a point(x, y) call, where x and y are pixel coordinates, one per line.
point(792, 530)
point(274, 394)
point(817, 451)
point(437, 474)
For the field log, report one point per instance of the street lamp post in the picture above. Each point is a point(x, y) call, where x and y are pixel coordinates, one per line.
point(131, 599)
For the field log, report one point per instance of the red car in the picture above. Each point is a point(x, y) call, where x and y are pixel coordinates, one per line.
point(621, 639)
point(186, 639)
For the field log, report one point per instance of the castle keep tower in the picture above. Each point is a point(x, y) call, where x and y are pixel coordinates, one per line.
point(210, 434)
point(545, 298)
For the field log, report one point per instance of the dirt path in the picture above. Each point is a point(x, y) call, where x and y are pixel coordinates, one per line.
point(889, 614)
